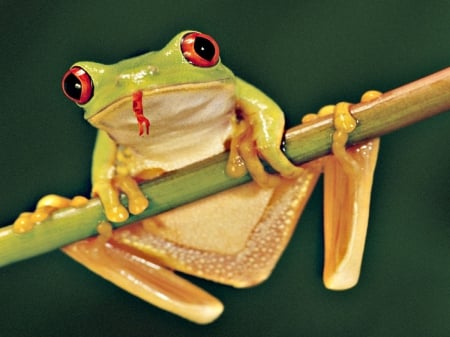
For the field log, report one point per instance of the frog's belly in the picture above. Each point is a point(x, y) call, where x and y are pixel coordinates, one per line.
point(187, 124)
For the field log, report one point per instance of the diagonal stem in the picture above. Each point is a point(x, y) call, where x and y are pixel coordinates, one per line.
point(395, 109)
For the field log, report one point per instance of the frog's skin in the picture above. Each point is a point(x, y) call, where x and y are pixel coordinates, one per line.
point(163, 110)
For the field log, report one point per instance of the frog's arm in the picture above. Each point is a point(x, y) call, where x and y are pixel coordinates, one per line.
point(103, 161)
point(103, 172)
point(107, 184)
point(264, 122)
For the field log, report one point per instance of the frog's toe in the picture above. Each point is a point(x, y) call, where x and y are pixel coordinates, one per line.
point(23, 223)
point(137, 202)
point(108, 193)
point(262, 178)
point(115, 212)
point(280, 163)
point(54, 201)
point(255, 167)
point(42, 212)
point(45, 207)
point(291, 171)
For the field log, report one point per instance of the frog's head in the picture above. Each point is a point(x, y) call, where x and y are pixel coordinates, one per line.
point(189, 58)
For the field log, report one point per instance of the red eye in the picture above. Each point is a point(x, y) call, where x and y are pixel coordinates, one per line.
point(77, 85)
point(200, 49)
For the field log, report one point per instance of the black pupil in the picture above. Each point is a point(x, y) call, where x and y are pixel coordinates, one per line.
point(72, 86)
point(204, 48)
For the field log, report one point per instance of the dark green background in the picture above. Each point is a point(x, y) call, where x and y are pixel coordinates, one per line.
point(304, 54)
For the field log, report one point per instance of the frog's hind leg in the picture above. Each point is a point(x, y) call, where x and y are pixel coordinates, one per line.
point(146, 280)
point(346, 214)
point(234, 237)
point(348, 176)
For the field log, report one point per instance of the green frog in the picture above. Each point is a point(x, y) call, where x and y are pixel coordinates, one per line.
point(164, 110)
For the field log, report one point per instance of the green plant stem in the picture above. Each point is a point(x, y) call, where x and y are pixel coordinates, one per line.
point(393, 110)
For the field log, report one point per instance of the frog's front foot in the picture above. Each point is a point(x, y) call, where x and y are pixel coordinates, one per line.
point(246, 151)
point(44, 208)
point(109, 193)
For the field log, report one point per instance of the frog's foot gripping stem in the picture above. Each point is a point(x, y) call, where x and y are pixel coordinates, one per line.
point(109, 193)
point(348, 181)
point(46, 206)
point(245, 153)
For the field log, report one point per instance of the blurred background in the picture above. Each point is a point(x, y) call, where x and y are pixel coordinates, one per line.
point(304, 54)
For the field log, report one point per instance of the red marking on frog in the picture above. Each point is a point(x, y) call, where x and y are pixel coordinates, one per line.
point(143, 122)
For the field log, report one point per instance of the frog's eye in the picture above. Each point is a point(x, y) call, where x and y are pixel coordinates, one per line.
point(77, 85)
point(200, 49)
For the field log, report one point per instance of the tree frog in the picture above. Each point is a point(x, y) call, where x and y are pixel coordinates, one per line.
point(164, 110)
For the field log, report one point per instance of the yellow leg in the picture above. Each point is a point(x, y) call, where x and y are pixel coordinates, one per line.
point(346, 214)
point(146, 280)
point(348, 181)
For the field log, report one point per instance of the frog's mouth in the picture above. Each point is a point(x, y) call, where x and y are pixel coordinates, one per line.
point(143, 122)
